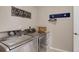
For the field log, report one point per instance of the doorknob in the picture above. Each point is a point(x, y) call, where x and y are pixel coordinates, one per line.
point(76, 34)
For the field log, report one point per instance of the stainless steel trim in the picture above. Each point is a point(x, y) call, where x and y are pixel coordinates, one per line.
point(21, 43)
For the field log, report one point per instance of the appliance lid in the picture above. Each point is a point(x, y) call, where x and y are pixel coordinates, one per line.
point(12, 42)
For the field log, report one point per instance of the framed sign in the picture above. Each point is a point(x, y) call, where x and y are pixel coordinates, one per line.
point(20, 13)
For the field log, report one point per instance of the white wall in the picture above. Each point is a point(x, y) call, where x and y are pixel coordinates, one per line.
point(8, 22)
point(61, 32)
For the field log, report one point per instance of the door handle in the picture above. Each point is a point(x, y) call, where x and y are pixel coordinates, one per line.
point(76, 34)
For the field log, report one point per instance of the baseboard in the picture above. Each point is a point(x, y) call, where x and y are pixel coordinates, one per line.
point(52, 49)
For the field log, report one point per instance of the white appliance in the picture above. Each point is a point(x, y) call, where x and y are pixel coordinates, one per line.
point(76, 29)
point(42, 43)
point(22, 43)
point(41, 39)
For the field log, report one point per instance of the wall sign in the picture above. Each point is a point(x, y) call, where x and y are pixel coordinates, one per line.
point(53, 17)
point(20, 13)
point(61, 15)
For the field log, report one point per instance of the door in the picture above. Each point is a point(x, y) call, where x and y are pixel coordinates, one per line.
point(76, 43)
point(76, 29)
point(43, 43)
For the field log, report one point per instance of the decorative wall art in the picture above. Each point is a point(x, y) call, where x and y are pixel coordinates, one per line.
point(61, 15)
point(20, 13)
point(53, 17)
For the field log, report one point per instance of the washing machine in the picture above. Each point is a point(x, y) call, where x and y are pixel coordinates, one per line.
point(22, 43)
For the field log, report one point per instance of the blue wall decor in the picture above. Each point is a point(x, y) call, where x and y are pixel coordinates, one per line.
point(61, 15)
point(53, 17)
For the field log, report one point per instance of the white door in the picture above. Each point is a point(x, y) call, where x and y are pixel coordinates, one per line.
point(76, 28)
point(76, 43)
